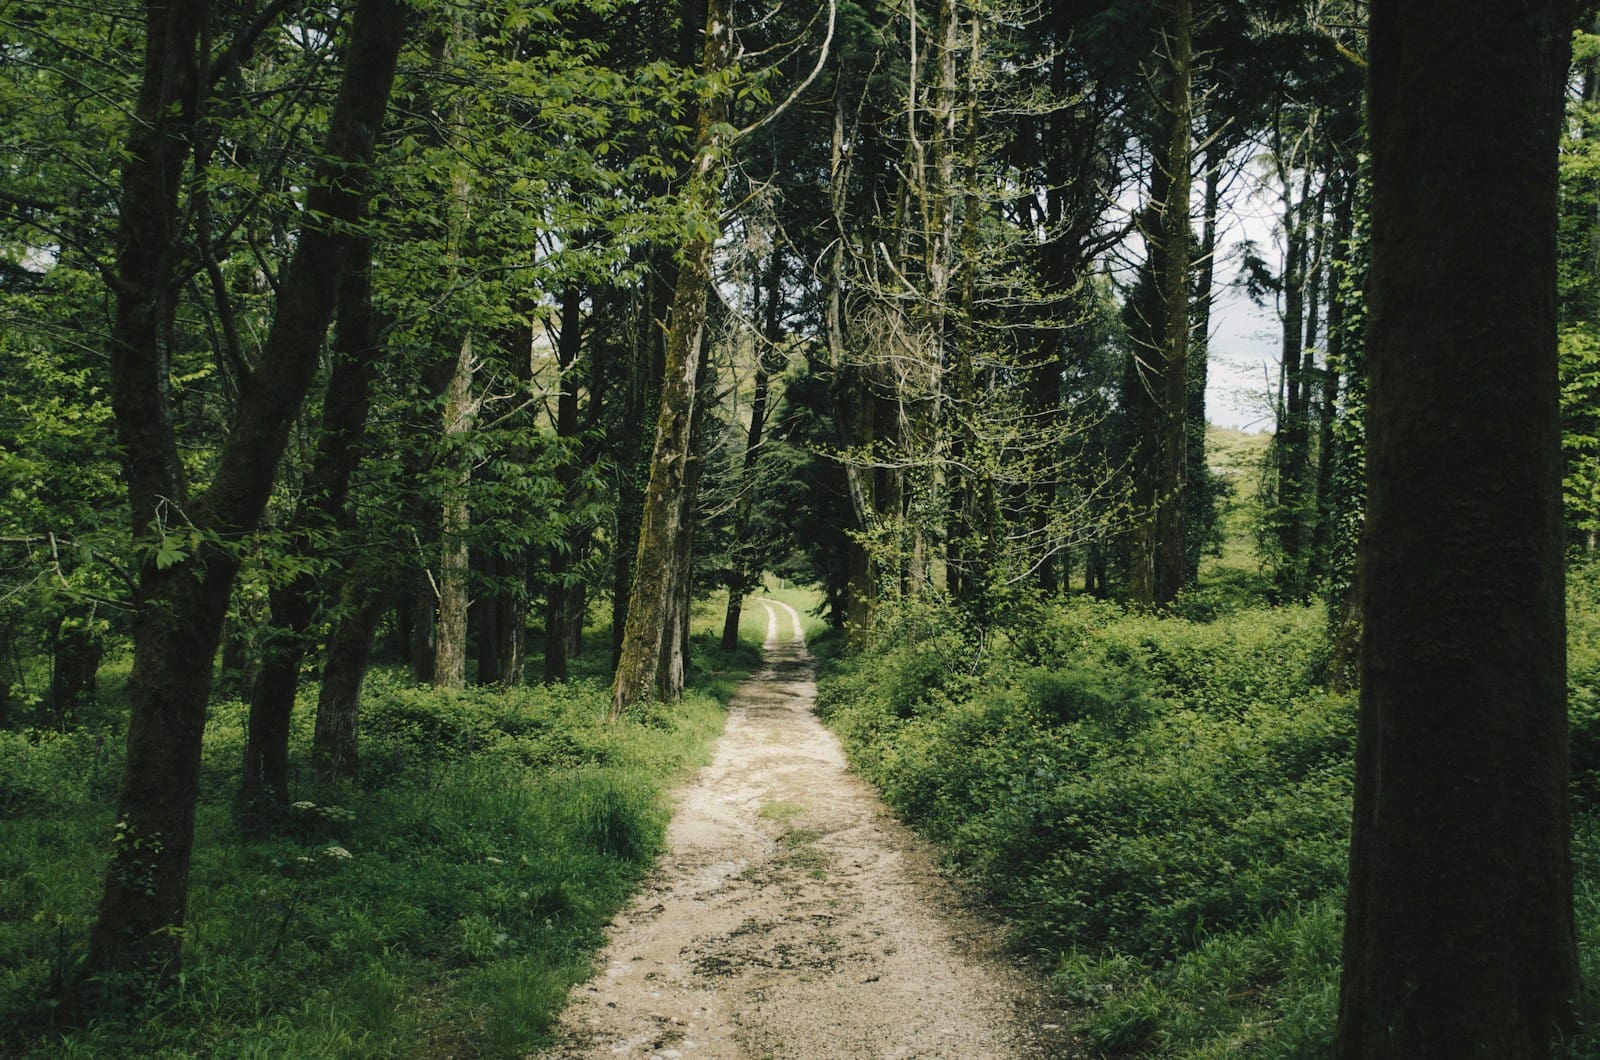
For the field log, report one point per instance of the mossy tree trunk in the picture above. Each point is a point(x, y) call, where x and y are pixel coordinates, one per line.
point(655, 568)
point(1160, 371)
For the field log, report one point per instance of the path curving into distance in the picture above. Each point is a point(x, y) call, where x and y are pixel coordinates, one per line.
point(792, 917)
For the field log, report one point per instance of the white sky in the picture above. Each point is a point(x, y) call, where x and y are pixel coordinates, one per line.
point(1242, 373)
point(1245, 339)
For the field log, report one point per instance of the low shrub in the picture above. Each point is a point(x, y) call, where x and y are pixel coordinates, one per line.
point(1130, 790)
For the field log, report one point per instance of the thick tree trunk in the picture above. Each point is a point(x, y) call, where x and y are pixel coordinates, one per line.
point(284, 644)
point(1172, 563)
point(1160, 390)
point(1459, 938)
point(181, 607)
point(655, 573)
point(642, 397)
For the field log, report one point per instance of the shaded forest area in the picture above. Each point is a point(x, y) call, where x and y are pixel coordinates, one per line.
point(400, 400)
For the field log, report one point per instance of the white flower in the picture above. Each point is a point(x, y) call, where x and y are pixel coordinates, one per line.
point(339, 852)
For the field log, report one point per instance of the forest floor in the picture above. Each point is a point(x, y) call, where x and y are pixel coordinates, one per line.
point(791, 916)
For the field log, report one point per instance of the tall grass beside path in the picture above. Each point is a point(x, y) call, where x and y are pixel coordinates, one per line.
point(442, 905)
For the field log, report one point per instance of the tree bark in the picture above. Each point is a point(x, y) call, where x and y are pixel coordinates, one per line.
point(75, 656)
point(1200, 502)
point(284, 644)
point(181, 606)
point(655, 573)
point(455, 522)
point(1342, 191)
point(1157, 563)
point(741, 579)
point(363, 599)
point(1459, 938)
point(565, 598)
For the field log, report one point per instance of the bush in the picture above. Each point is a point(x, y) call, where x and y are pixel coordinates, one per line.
point(1128, 789)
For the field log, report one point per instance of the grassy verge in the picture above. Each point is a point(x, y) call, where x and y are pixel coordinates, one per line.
point(442, 905)
point(1159, 807)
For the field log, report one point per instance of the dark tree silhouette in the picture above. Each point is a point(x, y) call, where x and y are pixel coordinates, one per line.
point(182, 602)
point(1459, 940)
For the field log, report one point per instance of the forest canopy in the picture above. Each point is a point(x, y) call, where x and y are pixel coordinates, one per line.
point(454, 339)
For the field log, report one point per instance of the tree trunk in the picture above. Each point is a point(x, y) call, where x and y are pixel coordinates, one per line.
point(1291, 440)
point(424, 626)
point(655, 573)
point(363, 599)
point(511, 619)
point(483, 616)
point(1200, 502)
point(1160, 390)
point(565, 596)
point(741, 579)
point(284, 643)
point(455, 522)
point(1172, 561)
point(1459, 938)
point(74, 662)
point(647, 359)
point(1342, 191)
point(181, 607)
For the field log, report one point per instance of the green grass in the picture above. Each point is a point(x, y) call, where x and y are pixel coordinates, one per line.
point(1158, 807)
point(443, 904)
point(753, 617)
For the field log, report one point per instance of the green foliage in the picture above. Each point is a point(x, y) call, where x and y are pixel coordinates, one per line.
point(1160, 806)
point(488, 839)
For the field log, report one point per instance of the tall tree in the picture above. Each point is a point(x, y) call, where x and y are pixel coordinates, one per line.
point(187, 575)
point(655, 573)
point(1160, 387)
point(294, 603)
point(1459, 938)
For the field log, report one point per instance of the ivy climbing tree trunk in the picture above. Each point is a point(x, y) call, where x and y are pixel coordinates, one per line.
point(566, 598)
point(655, 573)
point(183, 593)
point(1459, 938)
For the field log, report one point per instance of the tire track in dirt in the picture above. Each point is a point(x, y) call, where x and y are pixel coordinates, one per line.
point(791, 917)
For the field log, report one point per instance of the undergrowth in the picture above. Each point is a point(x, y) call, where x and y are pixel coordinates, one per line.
point(1158, 806)
point(441, 905)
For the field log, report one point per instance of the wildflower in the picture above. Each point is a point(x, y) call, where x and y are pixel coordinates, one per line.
point(338, 852)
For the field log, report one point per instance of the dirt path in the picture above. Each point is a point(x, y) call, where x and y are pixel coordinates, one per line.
point(791, 917)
